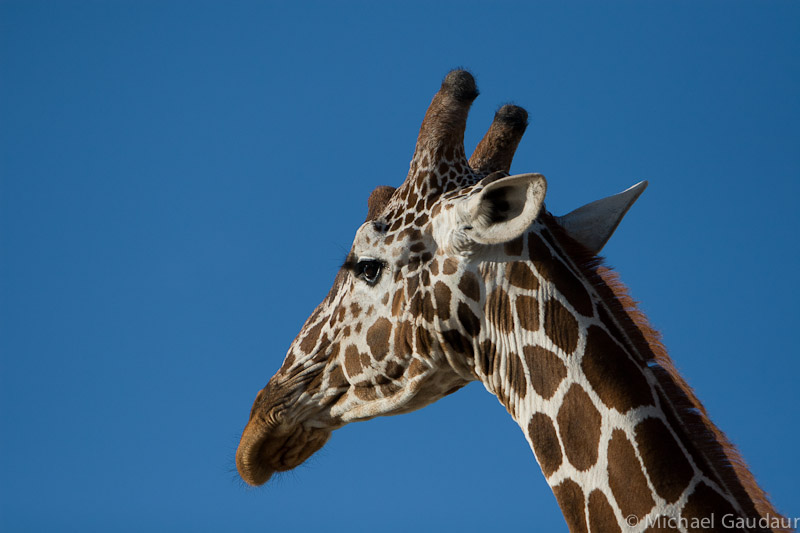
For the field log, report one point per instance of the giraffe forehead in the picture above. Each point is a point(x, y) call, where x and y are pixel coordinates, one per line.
point(369, 237)
point(424, 194)
point(394, 241)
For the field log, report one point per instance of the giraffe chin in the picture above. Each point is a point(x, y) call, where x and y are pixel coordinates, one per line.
point(263, 451)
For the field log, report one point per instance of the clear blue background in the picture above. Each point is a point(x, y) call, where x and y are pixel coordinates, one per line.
point(180, 181)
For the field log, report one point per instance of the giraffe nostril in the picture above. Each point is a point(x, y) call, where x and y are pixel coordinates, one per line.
point(275, 419)
point(256, 402)
point(271, 398)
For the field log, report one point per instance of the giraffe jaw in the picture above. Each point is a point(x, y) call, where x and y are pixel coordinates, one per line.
point(265, 449)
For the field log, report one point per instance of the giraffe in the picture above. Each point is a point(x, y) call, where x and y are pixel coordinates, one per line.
point(461, 274)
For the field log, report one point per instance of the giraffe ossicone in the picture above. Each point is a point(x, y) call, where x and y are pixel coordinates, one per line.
point(461, 274)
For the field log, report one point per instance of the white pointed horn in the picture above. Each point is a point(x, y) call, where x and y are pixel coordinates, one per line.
point(593, 224)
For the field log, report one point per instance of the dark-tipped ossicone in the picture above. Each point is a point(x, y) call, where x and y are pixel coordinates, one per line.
point(496, 150)
point(442, 130)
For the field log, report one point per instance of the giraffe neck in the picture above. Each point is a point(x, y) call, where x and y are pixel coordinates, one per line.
point(618, 435)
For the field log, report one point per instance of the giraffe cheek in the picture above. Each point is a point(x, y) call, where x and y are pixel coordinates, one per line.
point(378, 338)
point(355, 364)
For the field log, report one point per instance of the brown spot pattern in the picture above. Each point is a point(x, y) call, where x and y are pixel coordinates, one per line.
point(417, 247)
point(352, 362)
point(520, 275)
point(412, 284)
point(498, 310)
point(560, 326)
point(311, 336)
point(442, 295)
point(601, 515)
point(416, 368)
point(553, 270)
point(626, 479)
point(527, 312)
point(426, 278)
point(388, 389)
point(688, 445)
point(341, 314)
point(702, 504)
point(516, 375)
point(579, 428)
point(469, 286)
point(289, 361)
point(427, 307)
point(403, 339)
point(415, 305)
point(450, 266)
point(424, 341)
point(468, 320)
point(665, 463)
point(367, 393)
point(336, 378)
point(546, 370)
point(457, 342)
point(662, 525)
point(570, 499)
point(489, 358)
point(545, 443)
point(394, 370)
point(611, 327)
point(618, 381)
point(572, 288)
point(397, 302)
point(378, 338)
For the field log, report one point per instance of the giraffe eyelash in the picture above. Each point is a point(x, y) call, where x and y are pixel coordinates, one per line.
point(367, 269)
point(350, 262)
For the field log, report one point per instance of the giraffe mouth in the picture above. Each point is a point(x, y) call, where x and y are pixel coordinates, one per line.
point(264, 450)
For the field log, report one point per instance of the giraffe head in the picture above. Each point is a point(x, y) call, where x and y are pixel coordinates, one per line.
point(408, 310)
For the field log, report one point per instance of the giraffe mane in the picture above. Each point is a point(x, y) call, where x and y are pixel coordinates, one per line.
point(720, 454)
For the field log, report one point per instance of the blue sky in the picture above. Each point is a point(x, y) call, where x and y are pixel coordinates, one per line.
point(180, 180)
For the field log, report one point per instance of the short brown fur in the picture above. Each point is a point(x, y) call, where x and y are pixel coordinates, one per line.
point(721, 454)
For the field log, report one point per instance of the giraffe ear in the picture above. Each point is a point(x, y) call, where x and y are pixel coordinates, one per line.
point(593, 224)
point(505, 207)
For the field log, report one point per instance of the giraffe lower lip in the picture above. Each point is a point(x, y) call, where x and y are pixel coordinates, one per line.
point(261, 453)
point(249, 459)
point(256, 475)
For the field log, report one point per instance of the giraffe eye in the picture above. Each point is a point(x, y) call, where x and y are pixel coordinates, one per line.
point(369, 270)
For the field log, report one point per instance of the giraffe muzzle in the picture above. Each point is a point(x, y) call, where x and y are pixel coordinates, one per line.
point(268, 446)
